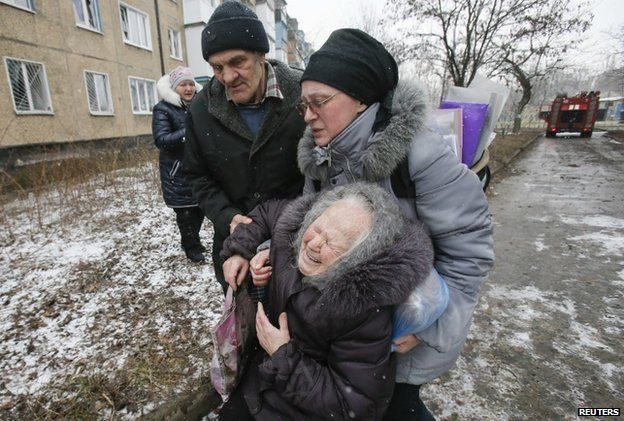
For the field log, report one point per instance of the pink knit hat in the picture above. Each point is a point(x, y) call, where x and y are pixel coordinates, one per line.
point(180, 74)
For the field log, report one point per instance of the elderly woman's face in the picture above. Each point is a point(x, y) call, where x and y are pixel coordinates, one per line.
point(332, 235)
point(327, 119)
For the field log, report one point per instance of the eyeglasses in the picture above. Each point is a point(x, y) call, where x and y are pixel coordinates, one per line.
point(315, 106)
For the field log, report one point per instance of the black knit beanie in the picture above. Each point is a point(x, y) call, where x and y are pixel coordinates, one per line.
point(355, 63)
point(232, 26)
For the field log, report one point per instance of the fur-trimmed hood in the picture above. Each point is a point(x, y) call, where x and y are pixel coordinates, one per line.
point(165, 93)
point(381, 272)
point(381, 152)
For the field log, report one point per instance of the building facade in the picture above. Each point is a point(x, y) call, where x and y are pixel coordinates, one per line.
point(78, 70)
point(281, 31)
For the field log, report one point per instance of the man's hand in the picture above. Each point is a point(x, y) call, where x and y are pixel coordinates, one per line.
point(234, 270)
point(239, 219)
point(406, 343)
point(269, 336)
point(260, 273)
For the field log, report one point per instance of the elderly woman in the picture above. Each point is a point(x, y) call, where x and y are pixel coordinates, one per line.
point(364, 124)
point(176, 90)
point(341, 260)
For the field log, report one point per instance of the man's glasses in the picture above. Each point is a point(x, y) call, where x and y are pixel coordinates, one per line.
point(315, 106)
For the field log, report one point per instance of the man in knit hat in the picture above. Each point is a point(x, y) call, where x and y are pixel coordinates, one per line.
point(242, 129)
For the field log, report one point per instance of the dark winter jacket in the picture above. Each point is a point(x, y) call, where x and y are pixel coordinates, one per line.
point(168, 119)
point(231, 171)
point(448, 199)
point(338, 363)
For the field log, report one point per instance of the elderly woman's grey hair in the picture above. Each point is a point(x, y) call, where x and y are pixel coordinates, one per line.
point(388, 224)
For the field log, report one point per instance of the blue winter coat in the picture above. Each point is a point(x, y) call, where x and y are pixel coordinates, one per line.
point(169, 117)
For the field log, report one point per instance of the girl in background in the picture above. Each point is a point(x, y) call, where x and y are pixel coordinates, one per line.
point(176, 90)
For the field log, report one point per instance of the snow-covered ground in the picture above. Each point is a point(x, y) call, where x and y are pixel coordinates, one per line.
point(102, 317)
point(99, 307)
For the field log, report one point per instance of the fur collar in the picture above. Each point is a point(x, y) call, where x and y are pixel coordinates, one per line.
point(385, 149)
point(351, 287)
point(163, 87)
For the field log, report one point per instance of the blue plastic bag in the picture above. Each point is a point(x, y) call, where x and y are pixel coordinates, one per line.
point(423, 307)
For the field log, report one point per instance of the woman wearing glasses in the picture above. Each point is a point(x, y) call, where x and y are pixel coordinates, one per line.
point(364, 124)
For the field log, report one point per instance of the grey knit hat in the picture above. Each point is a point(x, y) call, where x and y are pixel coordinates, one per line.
point(231, 26)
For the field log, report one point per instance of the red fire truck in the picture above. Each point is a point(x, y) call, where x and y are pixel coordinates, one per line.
point(576, 114)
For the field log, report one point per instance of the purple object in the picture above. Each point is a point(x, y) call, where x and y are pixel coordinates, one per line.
point(232, 337)
point(473, 116)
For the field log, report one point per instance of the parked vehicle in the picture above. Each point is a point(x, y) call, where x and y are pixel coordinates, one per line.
point(576, 114)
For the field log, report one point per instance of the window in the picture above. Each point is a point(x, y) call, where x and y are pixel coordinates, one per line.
point(98, 93)
point(135, 27)
point(22, 4)
point(87, 13)
point(29, 87)
point(142, 92)
point(174, 44)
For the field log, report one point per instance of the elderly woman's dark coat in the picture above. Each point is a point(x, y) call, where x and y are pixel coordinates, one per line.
point(338, 363)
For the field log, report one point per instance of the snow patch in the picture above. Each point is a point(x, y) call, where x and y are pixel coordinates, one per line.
point(540, 246)
point(601, 221)
point(81, 292)
point(529, 293)
point(521, 339)
point(611, 243)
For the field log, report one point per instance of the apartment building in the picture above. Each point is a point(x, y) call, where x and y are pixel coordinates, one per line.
point(84, 69)
point(79, 70)
point(281, 31)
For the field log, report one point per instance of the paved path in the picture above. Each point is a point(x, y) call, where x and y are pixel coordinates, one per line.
point(548, 335)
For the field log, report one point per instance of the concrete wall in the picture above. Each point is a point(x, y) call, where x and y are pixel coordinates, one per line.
point(50, 36)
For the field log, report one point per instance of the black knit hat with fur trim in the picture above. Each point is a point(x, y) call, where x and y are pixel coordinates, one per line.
point(355, 63)
point(232, 26)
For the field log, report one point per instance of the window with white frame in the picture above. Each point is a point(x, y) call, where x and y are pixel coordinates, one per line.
point(135, 27)
point(22, 4)
point(29, 87)
point(143, 94)
point(87, 13)
point(98, 93)
point(174, 44)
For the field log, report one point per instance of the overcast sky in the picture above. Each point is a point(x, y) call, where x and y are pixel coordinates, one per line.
point(318, 18)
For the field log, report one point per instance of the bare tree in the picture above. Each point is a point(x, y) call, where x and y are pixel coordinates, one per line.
point(519, 39)
point(368, 19)
point(535, 46)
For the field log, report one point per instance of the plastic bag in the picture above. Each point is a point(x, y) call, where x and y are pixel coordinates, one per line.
point(232, 338)
point(473, 116)
point(424, 306)
point(483, 91)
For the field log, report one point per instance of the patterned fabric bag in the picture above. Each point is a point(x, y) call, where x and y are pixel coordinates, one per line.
point(232, 338)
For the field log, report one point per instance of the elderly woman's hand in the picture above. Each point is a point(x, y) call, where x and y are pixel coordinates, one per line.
point(234, 270)
point(259, 272)
point(269, 336)
point(406, 343)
